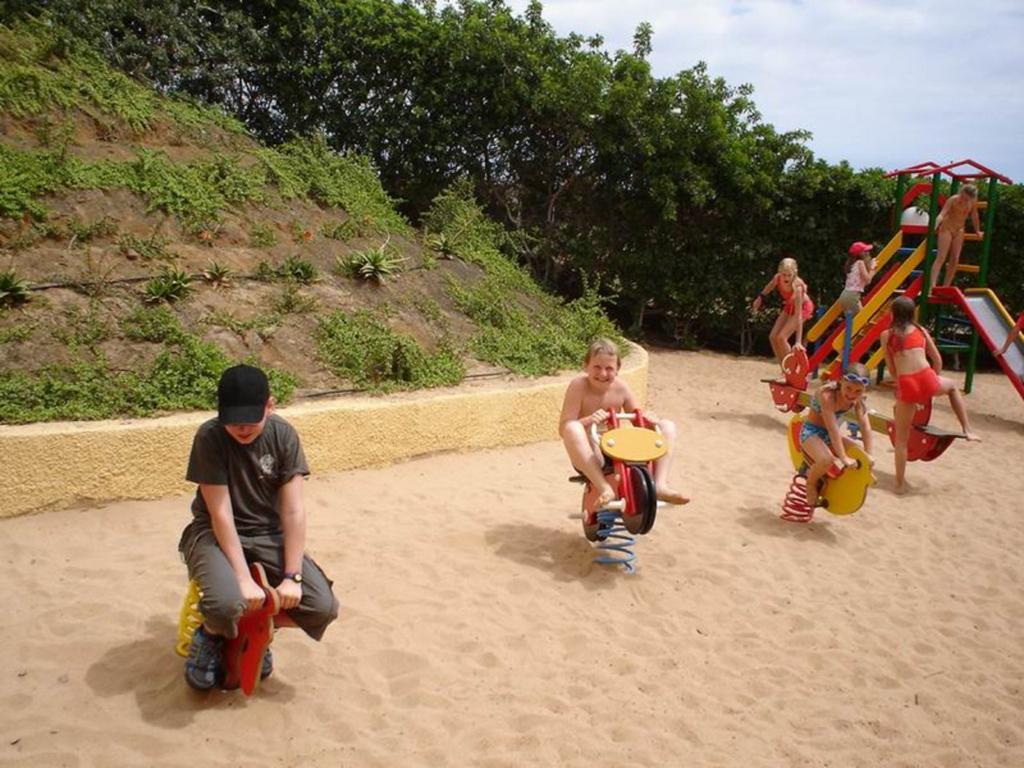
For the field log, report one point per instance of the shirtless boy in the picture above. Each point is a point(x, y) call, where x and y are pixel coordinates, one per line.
point(589, 399)
point(949, 228)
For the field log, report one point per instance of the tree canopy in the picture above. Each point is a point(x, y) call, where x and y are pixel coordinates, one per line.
point(670, 193)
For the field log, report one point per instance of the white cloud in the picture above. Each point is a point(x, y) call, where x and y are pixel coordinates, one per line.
point(878, 83)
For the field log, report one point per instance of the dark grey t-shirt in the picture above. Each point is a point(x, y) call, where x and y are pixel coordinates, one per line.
point(253, 473)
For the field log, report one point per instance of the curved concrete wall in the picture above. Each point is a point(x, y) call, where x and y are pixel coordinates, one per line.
point(60, 464)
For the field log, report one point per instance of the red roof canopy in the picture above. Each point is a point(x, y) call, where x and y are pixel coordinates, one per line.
point(972, 170)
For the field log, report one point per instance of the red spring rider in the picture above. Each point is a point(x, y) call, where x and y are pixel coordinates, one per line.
point(629, 453)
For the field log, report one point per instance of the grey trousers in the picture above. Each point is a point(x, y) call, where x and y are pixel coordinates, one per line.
point(222, 604)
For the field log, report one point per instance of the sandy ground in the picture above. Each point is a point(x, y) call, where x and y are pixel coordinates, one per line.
point(476, 631)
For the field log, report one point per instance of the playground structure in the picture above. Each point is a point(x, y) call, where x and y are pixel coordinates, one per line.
point(902, 269)
point(629, 453)
point(839, 339)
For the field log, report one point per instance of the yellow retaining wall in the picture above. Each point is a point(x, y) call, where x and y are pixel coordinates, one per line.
point(60, 464)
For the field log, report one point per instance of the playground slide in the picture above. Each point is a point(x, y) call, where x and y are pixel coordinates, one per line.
point(993, 322)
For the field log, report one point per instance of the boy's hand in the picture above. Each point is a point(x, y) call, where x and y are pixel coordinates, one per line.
point(600, 416)
point(848, 462)
point(290, 593)
point(252, 593)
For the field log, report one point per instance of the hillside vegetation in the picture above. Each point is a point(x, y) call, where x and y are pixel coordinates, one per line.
point(147, 242)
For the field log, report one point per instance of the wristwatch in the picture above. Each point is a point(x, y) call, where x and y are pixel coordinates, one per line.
point(296, 577)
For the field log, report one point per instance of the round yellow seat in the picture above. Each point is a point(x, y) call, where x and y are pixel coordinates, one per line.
point(633, 444)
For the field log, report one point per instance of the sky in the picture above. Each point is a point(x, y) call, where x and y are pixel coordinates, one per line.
point(879, 83)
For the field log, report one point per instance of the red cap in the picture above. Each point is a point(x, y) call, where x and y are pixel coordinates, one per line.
point(859, 248)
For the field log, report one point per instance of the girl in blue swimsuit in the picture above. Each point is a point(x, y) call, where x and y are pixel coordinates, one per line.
point(820, 440)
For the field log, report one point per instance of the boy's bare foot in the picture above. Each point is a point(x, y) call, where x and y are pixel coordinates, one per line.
point(670, 496)
point(605, 497)
point(972, 437)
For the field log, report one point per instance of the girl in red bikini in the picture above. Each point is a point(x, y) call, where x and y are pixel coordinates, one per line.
point(793, 292)
point(913, 357)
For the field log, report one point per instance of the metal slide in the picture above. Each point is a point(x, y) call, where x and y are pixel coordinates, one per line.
point(993, 322)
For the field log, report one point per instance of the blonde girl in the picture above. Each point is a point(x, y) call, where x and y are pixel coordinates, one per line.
point(820, 439)
point(796, 308)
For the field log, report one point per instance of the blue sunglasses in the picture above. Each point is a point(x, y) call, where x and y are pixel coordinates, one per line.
point(853, 378)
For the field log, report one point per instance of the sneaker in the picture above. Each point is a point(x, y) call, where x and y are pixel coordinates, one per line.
point(268, 665)
point(204, 666)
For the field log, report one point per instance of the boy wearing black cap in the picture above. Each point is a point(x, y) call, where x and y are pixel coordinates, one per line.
point(249, 467)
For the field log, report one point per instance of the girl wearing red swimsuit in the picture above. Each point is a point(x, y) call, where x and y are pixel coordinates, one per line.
point(913, 357)
point(793, 292)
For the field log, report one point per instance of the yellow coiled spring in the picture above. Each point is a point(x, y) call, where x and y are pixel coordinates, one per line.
point(189, 618)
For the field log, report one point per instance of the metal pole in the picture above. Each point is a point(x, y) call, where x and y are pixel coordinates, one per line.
point(929, 249)
point(986, 241)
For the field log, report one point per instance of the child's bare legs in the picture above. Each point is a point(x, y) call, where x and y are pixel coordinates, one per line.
point(586, 460)
point(904, 416)
point(941, 251)
point(664, 464)
point(956, 399)
point(955, 247)
point(821, 458)
point(785, 326)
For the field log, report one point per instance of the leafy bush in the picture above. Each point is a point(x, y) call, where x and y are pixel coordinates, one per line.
point(156, 324)
point(13, 290)
point(217, 275)
point(262, 236)
point(16, 334)
point(183, 377)
point(84, 329)
point(170, 285)
point(298, 270)
point(540, 340)
point(361, 348)
point(343, 230)
point(308, 167)
point(263, 324)
point(291, 301)
point(84, 232)
point(540, 336)
point(149, 248)
point(374, 264)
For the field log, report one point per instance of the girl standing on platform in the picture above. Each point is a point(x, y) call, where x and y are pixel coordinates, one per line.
point(859, 268)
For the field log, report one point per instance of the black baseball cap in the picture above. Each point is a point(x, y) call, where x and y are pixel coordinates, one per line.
point(242, 395)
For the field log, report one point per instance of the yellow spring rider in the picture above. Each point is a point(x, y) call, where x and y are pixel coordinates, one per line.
point(843, 490)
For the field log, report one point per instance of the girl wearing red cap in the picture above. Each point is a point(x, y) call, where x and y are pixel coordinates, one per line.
point(796, 307)
point(859, 268)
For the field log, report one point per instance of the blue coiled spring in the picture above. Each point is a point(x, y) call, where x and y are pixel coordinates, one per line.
point(616, 549)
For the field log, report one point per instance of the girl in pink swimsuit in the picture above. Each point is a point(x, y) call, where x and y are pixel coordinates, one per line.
point(859, 268)
point(793, 292)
